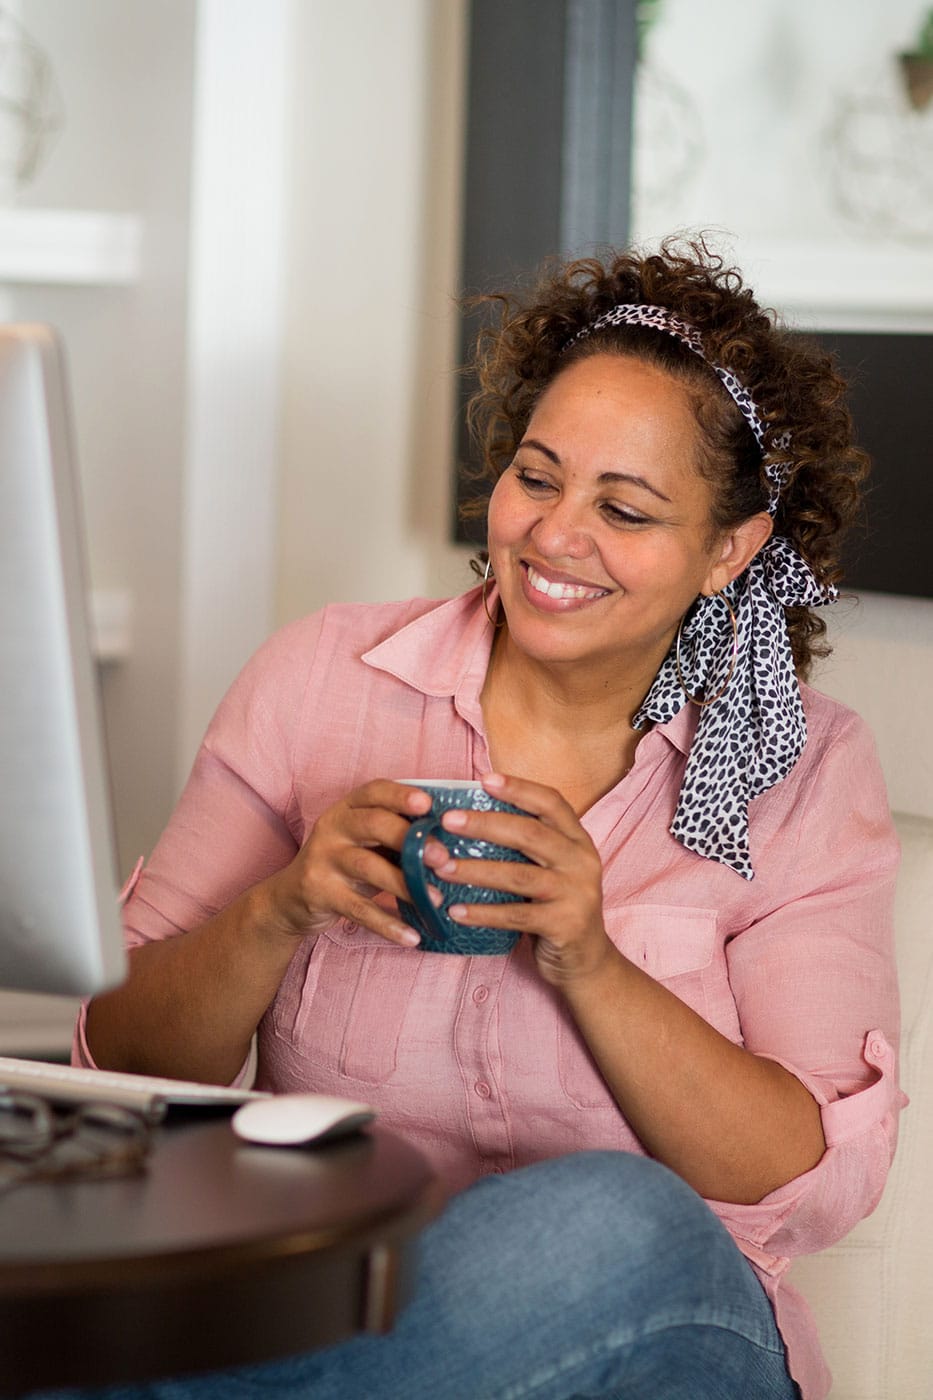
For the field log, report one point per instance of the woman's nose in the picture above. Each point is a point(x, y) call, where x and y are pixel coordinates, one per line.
point(562, 531)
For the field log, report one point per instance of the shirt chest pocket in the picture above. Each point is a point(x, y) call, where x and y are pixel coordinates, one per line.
point(675, 945)
point(343, 1002)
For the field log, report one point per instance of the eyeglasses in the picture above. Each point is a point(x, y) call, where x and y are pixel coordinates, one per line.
point(94, 1140)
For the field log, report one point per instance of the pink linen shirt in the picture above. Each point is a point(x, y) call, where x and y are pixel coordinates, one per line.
point(476, 1060)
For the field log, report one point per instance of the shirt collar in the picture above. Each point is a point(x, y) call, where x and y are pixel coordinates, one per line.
point(446, 652)
point(443, 652)
point(680, 730)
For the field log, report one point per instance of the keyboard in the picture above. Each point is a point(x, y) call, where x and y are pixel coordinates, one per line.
point(67, 1084)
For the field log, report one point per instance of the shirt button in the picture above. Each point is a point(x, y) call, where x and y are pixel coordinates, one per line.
point(350, 926)
point(877, 1047)
point(482, 1088)
point(480, 994)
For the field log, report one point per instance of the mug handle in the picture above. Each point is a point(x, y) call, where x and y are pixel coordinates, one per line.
point(416, 838)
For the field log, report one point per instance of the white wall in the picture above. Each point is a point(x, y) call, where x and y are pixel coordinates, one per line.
point(125, 73)
point(882, 665)
point(371, 321)
point(234, 347)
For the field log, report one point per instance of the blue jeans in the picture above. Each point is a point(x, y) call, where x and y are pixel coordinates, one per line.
point(599, 1274)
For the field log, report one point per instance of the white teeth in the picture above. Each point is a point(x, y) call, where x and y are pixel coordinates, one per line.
point(561, 590)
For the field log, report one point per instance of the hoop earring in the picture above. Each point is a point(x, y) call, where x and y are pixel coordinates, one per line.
point(735, 652)
point(501, 621)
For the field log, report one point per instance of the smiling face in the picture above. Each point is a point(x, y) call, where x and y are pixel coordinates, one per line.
point(599, 531)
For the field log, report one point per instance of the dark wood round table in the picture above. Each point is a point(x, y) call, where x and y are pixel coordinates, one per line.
point(219, 1254)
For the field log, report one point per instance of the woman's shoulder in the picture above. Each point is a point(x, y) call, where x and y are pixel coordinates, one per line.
point(840, 745)
point(830, 720)
point(354, 627)
point(319, 652)
point(833, 802)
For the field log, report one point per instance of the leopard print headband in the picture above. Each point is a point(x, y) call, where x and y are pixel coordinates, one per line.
point(750, 735)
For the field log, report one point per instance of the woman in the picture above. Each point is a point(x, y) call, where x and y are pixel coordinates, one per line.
point(684, 1074)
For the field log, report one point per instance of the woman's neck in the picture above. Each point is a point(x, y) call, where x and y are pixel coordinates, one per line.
point(559, 724)
point(566, 695)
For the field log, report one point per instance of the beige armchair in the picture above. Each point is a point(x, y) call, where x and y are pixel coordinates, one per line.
point(872, 1294)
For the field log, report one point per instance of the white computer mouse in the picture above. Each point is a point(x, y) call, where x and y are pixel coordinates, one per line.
point(288, 1120)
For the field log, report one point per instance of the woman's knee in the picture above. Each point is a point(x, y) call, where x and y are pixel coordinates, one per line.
point(614, 1203)
point(621, 1243)
point(599, 1219)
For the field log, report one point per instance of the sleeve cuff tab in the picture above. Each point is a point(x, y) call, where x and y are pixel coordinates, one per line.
point(849, 1117)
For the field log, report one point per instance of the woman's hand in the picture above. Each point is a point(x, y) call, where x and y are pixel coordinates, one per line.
point(563, 885)
point(340, 871)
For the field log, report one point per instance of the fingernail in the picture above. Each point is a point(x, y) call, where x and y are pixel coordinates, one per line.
point(407, 935)
point(457, 911)
point(454, 821)
point(435, 896)
point(493, 780)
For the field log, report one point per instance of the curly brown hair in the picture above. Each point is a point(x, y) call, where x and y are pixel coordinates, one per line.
point(795, 384)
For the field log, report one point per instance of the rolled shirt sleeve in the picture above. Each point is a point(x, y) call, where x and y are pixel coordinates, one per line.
point(815, 988)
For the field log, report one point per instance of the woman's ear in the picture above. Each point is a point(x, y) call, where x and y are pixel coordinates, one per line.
point(737, 549)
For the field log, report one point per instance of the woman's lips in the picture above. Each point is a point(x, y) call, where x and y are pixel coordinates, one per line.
point(554, 588)
point(559, 591)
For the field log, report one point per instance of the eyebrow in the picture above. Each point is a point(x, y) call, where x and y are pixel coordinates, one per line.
point(604, 478)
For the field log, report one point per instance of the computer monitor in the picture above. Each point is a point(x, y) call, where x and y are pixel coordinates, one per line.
point(59, 918)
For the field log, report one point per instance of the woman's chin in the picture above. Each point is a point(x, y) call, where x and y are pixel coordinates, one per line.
point(539, 636)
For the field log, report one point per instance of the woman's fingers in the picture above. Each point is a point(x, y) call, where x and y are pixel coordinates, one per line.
point(541, 801)
point(370, 915)
point(378, 814)
point(391, 796)
point(370, 870)
point(535, 837)
point(518, 917)
point(528, 881)
point(363, 834)
point(349, 858)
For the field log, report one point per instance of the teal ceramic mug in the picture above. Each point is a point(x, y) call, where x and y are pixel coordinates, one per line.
point(439, 933)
